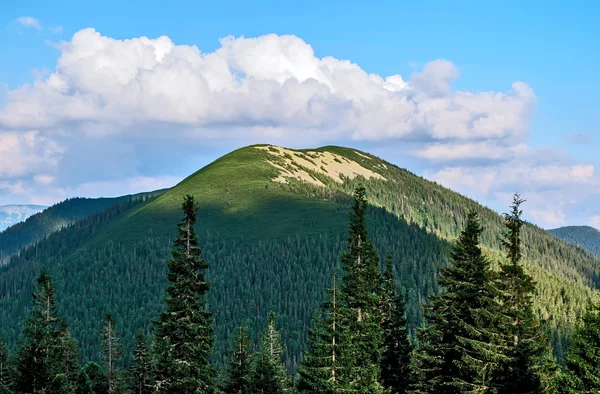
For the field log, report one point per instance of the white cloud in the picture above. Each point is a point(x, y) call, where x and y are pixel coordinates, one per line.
point(24, 153)
point(487, 150)
point(56, 29)
point(270, 81)
point(28, 21)
point(550, 218)
point(595, 222)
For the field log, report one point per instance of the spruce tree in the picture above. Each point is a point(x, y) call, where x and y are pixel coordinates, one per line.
point(47, 355)
point(239, 364)
point(459, 347)
point(582, 363)
point(525, 339)
point(395, 362)
point(111, 351)
point(265, 377)
point(92, 380)
point(5, 380)
point(272, 346)
point(184, 332)
point(361, 294)
point(141, 372)
point(324, 368)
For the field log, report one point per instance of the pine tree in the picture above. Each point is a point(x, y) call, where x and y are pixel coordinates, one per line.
point(395, 362)
point(142, 369)
point(4, 368)
point(239, 364)
point(361, 294)
point(111, 351)
point(459, 347)
point(525, 339)
point(582, 363)
point(184, 332)
point(47, 355)
point(323, 368)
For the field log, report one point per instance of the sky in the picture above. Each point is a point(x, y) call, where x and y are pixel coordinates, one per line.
point(487, 98)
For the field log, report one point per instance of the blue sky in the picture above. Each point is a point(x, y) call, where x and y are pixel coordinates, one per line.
point(548, 45)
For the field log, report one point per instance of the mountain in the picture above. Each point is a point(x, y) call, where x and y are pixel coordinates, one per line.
point(584, 236)
point(272, 225)
point(53, 219)
point(11, 214)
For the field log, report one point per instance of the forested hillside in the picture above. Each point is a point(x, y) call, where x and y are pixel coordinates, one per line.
point(272, 225)
point(52, 219)
point(12, 214)
point(586, 237)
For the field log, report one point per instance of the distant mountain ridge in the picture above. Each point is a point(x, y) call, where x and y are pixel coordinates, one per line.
point(12, 214)
point(585, 236)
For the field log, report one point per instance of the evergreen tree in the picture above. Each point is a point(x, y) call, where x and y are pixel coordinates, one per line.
point(92, 380)
point(239, 365)
point(271, 347)
point(184, 332)
point(265, 377)
point(395, 361)
point(4, 369)
point(47, 356)
point(361, 294)
point(111, 351)
point(459, 348)
point(142, 368)
point(582, 364)
point(525, 339)
point(323, 368)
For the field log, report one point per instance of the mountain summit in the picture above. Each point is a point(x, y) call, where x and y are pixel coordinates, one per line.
point(272, 225)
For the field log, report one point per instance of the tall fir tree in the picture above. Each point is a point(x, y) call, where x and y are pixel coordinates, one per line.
point(239, 364)
point(396, 373)
point(361, 293)
point(265, 375)
point(92, 380)
point(526, 342)
point(459, 346)
point(271, 348)
point(582, 363)
point(184, 332)
point(111, 351)
point(324, 368)
point(5, 380)
point(47, 354)
point(142, 369)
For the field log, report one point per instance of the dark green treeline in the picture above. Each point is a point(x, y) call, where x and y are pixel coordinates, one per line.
point(479, 333)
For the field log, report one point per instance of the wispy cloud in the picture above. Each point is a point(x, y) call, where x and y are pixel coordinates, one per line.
point(579, 138)
point(29, 21)
point(56, 29)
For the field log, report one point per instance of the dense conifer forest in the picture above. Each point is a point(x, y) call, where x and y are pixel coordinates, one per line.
point(263, 254)
point(479, 335)
point(586, 237)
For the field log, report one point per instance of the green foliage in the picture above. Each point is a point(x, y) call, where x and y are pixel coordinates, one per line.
point(55, 218)
point(460, 347)
point(184, 332)
point(5, 371)
point(239, 364)
point(582, 364)
point(325, 367)
point(142, 377)
point(91, 380)
point(264, 239)
point(111, 351)
point(361, 294)
point(586, 237)
point(523, 332)
point(47, 356)
point(396, 373)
